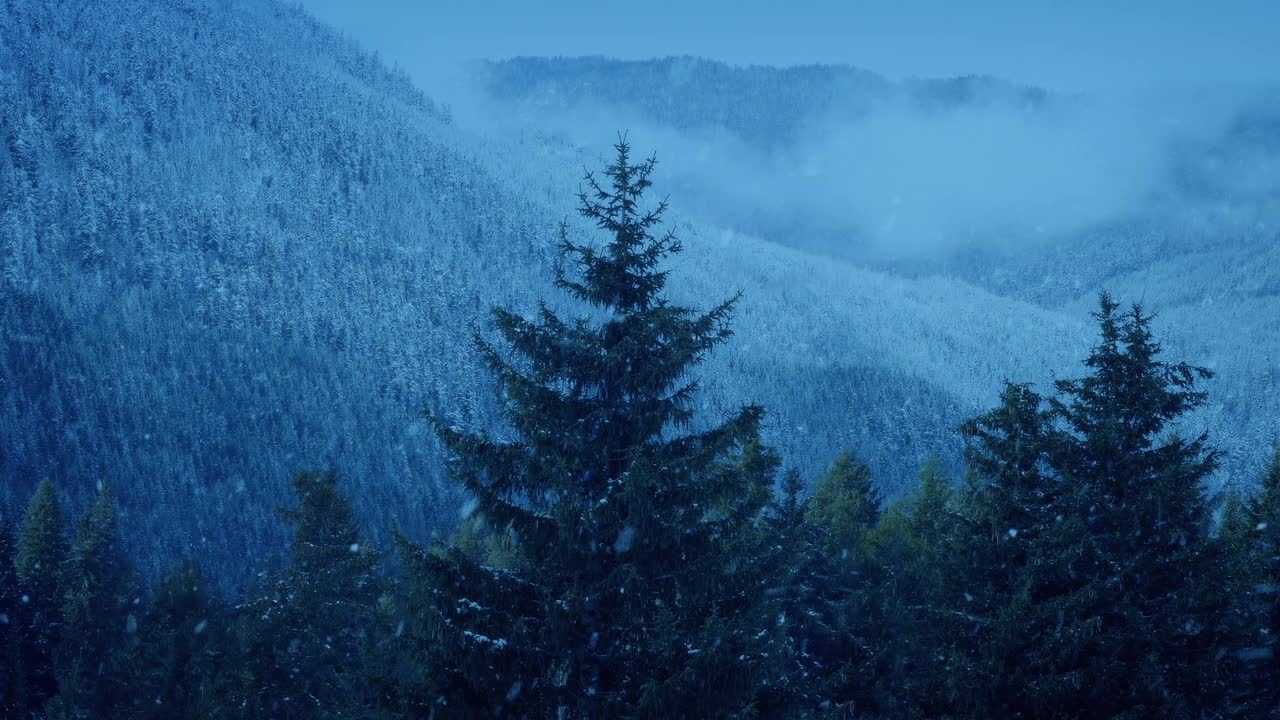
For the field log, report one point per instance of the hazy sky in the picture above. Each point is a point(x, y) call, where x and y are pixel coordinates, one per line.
point(1064, 44)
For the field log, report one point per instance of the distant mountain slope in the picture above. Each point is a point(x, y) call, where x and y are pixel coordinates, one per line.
point(1171, 201)
point(232, 246)
point(765, 106)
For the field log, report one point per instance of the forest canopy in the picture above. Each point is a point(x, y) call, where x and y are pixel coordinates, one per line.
point(620, 556)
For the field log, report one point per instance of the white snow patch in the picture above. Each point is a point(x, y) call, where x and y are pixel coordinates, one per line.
point(484, 640)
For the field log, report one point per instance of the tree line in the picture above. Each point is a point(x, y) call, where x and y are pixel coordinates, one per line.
point(620, 556)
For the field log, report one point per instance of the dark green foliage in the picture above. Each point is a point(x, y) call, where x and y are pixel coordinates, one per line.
point(916, 555)
point(1264, 513)
point(645, 596)
point(1251, 532)
point(1078, 576)
point(1138, 617)
point(845, 504)
point(1013, 541)
point(42, 547)
point(184, 663)
point(828, 600)
point(1075, 574)
point(11, 679)
point(306, 637)
point(100, 593)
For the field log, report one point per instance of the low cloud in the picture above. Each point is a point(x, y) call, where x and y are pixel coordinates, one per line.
point(904, 180)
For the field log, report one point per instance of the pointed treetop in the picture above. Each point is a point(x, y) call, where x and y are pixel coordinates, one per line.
point(41, 543)
point(1271, 476)
point(326, 533)
point(625, 275)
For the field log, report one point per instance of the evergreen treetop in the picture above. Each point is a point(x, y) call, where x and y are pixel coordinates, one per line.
point(1139, 611)
point(327, 553)
point(644, 593)
point(845, 502)
point(42, 547)
point(42, 543)
point(99, 592)
point(1117, 419)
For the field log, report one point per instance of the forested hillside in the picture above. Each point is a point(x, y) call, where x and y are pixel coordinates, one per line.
point(973, 185)
point(322, 398)
point(616, 560)
point(234, 245)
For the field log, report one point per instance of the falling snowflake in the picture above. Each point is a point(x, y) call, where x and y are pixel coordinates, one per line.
point(625, 537)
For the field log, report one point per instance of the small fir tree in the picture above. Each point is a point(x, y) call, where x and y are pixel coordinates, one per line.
point(831, 601)
point(1251, 532)
point(183, 667)
point(42, 547)
point(308, 636)
point(13, 679)
point(99, 593)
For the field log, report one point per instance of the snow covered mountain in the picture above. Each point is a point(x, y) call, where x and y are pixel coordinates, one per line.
point(234, 245)
point(1017, 202)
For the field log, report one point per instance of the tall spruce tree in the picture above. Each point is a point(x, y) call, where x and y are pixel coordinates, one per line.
point(643, 596)
point(1014, 540)
point(99, 592)
point(307, 637)
point(12, 676)
point(1140, 627)
point(183, 665)
point(917, 553)
point(1251, 529)
point(42, 548)
point(829, 600)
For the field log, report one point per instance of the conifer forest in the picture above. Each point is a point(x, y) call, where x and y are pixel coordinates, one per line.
point(384, 360)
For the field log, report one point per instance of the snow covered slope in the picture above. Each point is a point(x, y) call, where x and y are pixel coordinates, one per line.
point(233, 245)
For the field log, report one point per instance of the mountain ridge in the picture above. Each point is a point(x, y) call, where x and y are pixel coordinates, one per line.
point(236, 246)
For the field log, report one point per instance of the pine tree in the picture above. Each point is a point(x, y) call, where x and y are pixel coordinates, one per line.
point(99, 593)
point(799, 573)
point(42, 547)
point(306, 639)
point(1139, 629)
point(182, 668)
point(907, 622)
point(1014, 543)
point(845, 503)
point(643, 596)
point(12, 677)
point(1251, 532)
point(831, 600)
point(1264, 513)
